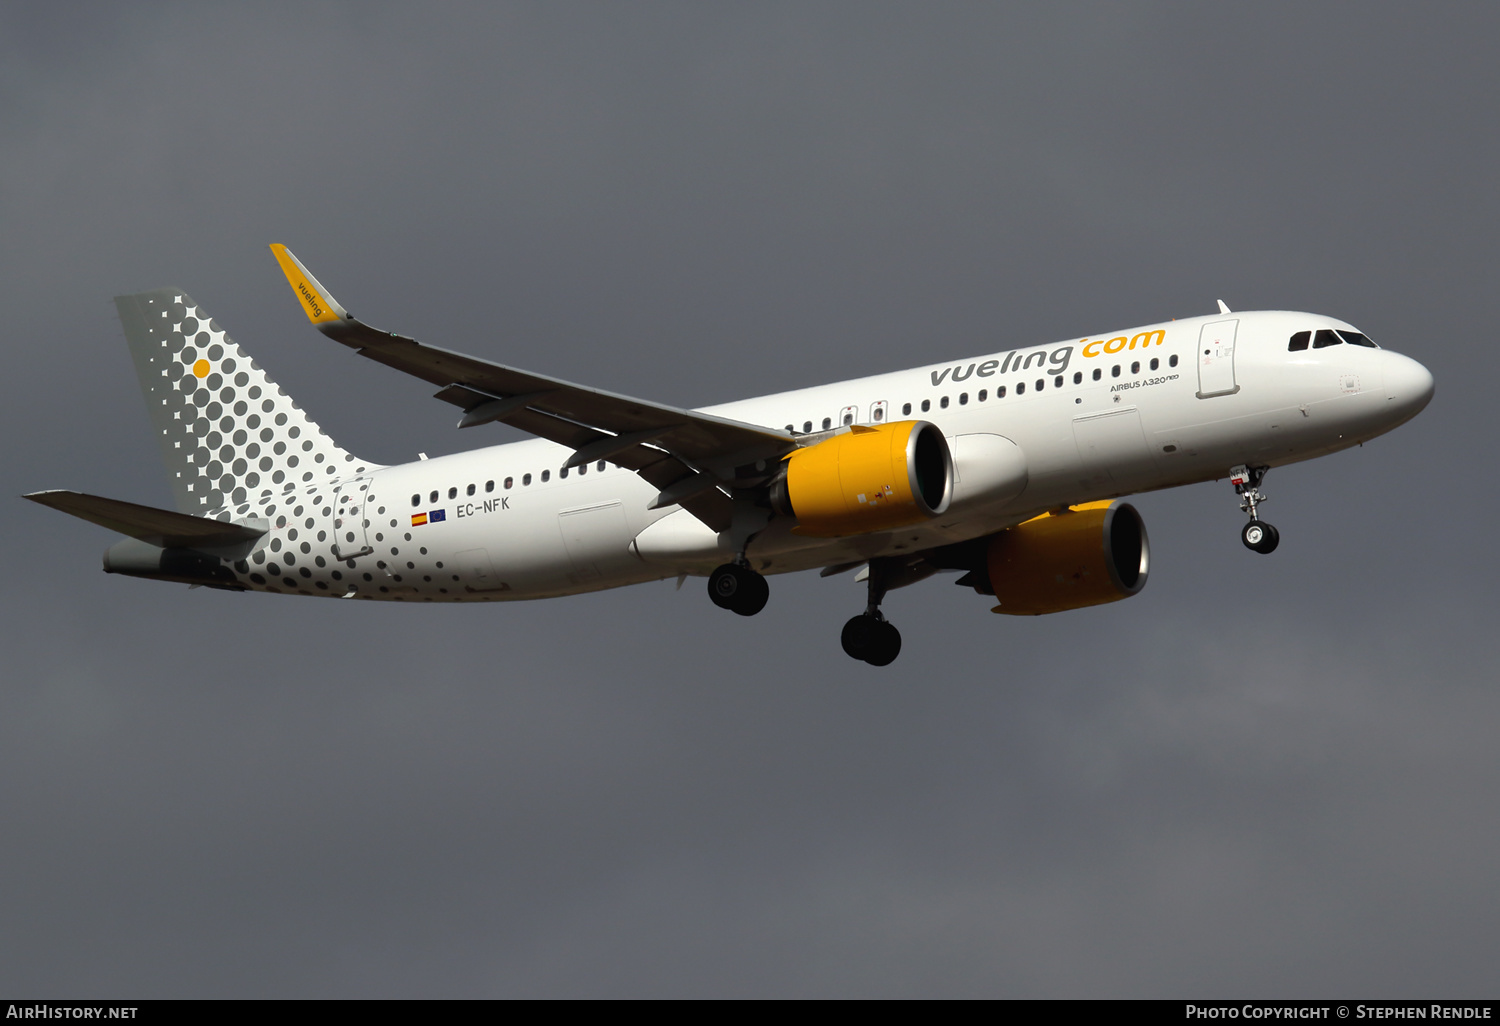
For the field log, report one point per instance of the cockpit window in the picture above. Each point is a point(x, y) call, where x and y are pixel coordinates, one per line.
point(1328, 337)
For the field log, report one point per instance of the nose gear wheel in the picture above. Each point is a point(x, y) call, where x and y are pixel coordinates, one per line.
point(1260, 536)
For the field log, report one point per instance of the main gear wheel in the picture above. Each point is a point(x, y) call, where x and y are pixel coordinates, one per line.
point(738, 589)
point(871, 638)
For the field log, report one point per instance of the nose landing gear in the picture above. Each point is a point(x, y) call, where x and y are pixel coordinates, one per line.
point(734, 586)
point(1257, 535)
point(870, 637)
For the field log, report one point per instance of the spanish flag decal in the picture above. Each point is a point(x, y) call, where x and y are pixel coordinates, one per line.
point(418, 519)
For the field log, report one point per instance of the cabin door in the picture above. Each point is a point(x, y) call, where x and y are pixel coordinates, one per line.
point(1216, 359)
point(351, 518)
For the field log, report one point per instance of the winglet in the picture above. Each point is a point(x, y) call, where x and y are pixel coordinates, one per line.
point(1223, 306)
point(321, 308)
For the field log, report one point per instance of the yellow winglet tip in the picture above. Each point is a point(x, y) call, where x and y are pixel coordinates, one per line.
point(320, 307)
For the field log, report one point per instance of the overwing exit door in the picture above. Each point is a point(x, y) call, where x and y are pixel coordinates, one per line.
point(1216, 359)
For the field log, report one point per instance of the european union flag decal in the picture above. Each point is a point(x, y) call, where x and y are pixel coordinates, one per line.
point(437, 516)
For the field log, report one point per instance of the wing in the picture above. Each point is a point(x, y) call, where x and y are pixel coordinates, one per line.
point(686, 455)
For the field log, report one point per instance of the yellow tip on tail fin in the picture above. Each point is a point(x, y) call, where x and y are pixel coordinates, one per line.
point(321, 308)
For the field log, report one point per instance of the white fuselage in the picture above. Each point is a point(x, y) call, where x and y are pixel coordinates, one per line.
point(1093, 418)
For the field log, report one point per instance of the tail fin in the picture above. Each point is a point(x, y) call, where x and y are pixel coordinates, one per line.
point(228, 433)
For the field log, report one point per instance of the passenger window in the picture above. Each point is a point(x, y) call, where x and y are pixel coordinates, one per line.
point(1155, 363)
point(1299, 342)
point(1172, 361)
point(546, 476)
point(526, 479)
point(1354, 338)
point(563, 472)
point(807, 427)
point(416, 500)
point(1020, 388)
point(583, 470)
point(432, 497)
point(509, 481)
point(943, 402)
point(790, 430)
point(963, 398)
point(489, 486)
point(471, 490)
point(877, 412)
point(600, 466)
point(1000, 392)
point(926, 405)
point(1326, 338)
point(452, 493)
point(1097, 373)
point(827, 423)
point(1078, 377)
point(1114, 371)
point(984, 394)
point(1040, 384)
point(1057, 382)
point(1135, 367)
point(906, 410)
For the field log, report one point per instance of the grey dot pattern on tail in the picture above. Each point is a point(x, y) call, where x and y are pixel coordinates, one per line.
point(238, 448)
point(230, 434)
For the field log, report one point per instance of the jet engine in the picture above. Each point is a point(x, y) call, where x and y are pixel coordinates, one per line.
point(1084, 556)
point(871, 479)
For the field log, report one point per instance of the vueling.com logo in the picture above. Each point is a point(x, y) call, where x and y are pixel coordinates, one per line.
point(1145, 340)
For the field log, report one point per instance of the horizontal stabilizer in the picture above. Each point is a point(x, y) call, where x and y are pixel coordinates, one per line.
point(160, 527)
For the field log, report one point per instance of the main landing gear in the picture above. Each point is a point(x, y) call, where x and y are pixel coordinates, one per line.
point(734, 586)
point(870, 636)
point(1257, 535)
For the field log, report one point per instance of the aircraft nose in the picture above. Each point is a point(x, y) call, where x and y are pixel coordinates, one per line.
point(1408, 385)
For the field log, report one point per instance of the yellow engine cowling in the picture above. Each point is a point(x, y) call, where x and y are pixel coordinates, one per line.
point(871, 479)
point(1089, 555)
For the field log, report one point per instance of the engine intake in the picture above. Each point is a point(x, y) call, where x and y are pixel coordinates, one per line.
point(871, 479)
point(1089, 555)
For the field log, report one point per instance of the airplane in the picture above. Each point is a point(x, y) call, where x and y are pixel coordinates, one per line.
point(1008, 468)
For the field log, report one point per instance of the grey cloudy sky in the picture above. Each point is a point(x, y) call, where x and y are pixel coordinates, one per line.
point(1262, 776)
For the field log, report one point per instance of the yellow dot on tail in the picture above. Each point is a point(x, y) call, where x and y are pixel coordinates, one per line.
point(200, 369)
